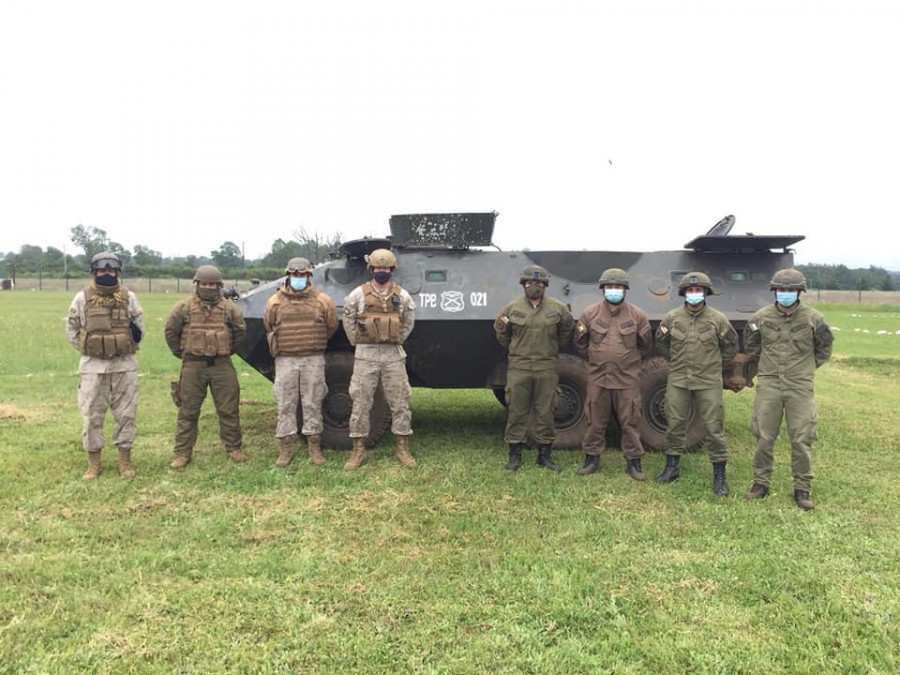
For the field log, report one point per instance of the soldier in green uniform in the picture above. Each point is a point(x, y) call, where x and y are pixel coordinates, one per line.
point(699, 343)
point(786, 342)
point(533, 328)
point(203, 332)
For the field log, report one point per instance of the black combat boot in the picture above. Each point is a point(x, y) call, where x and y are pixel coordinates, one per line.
point(671, 472)
point(591, 465)
point(720, 485)
point(802, 499)
point(758, 491)
point(515, 457)
point(544, 458)
point(633, 469)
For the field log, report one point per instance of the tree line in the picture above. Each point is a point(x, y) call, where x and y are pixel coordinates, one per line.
point(143, 261)
point(843, 278)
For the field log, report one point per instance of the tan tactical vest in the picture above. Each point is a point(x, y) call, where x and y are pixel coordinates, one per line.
point(107, 331)
point(301, 329)
point(206, 334)
point(380, 321)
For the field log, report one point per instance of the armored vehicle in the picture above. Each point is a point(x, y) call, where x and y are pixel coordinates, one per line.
point(460, 284)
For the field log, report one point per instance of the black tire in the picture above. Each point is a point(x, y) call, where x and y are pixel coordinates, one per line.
point(337, 405)
point(654, 375)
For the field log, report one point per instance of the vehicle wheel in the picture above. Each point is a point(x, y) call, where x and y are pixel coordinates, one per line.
point(654, 374)
point(337, 406)
point(500, 395)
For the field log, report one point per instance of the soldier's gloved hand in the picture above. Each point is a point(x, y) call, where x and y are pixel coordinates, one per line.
point(136, 333)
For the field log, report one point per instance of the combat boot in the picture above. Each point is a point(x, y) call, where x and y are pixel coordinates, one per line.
point(125, 468)
point(758, 491)
point(633, 469)
point(236, 456)
point(314, 448)
point(287, 451)
point(591, 465)
point(802, 499)
point(94, 467)
point(671, 473)
point(358, 458)
point(180, 461)
point(403, 452)
point(720, 485)
point(515, 457)
point(544, 458)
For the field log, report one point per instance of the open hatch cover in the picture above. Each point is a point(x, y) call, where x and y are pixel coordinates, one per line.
point(749, 243)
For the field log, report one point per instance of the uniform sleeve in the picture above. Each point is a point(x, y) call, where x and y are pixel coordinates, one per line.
point(753, 341)
point(174, 326)
point(582, 337)
point(331, 319)
point(137, 318)
point(503, 331)
point(269, 313)
point(728, 341)
point(408, 318)
point(75, 321)
point(664, 337)
point(237, 324)
point(349, 318)
point(566, 326)
point(644, 333)
point(823, 339)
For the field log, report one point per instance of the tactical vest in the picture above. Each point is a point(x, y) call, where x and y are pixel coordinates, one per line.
point(206, 334)
point(301, 327)
point(107, 330)
point(380, 322)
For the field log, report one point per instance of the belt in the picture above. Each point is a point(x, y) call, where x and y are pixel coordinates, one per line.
point(205, 361)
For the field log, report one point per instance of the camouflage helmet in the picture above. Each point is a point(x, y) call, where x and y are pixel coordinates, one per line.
point(105, 260)
point(381, 257)
point(695, 279)
point(788, 278)
point(535, 273)
point(209, 274)
point(614, 275)
point(301, 265)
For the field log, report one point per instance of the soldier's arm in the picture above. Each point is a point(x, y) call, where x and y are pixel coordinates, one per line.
point(582, 337)
point(174, 326)
point(566, 326)
point(237, 324)
point(728, 341)
point(753, 342)
point(349, 318)
point(664, 338)
point(269, 314)
point(502, 329)
point(138, 329)
point(75, 321)
point(644, 333)
point(823, 340)
point(331, 319)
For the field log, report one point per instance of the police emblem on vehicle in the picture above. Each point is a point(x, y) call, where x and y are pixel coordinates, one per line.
point(452, 301)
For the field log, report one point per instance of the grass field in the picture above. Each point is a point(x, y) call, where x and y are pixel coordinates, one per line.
point(454, 567)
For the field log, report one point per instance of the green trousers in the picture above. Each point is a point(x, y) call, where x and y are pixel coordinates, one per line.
point(710, 405)
point(798, 408)
point(221, 379)
point(527, 391)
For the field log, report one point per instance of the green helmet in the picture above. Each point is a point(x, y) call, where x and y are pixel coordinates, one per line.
point(695, 279)
point(788, 278)
point(614, 275)
point(301, 265)
point(209, 274)
point(535, 273)
point(105, 260)
point(381, 257)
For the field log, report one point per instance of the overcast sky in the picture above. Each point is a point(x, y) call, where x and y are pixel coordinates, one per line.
point(631, 125)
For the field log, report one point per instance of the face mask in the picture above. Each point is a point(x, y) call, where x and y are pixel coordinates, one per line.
point(382, 277)
point(534, 292)
point(786, 298)
point(209, 294)
point(693, 299)
point(614, 295)
point(299, 283)
point(106, 280)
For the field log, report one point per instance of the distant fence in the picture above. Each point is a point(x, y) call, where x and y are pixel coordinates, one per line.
point(137, 284)
point(856, 297)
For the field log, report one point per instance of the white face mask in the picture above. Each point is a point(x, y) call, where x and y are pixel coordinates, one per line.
point(614, 295)
point(694, 299)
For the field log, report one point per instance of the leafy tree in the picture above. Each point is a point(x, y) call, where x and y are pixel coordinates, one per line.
point(91, 240)
point(887, 284)
point(228, 256)
point(144, 255)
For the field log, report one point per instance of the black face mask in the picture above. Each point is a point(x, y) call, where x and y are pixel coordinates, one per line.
point(382, 277)
point(106, 280)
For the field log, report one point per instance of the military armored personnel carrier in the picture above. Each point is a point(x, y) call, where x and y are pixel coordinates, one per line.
point(460, 284)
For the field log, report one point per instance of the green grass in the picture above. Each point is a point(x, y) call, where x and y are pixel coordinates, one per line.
point(455, 567)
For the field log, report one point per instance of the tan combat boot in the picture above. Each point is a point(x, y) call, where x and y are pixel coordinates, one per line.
point(403, 452)
point(125, 468)
point(287, 451)
point(358, 458)
point(180, 461)
point(94, 468)
point(236, 456)
point(314, 446)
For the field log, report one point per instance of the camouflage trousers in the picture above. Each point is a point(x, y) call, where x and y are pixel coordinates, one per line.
point(299, 380)
point(602, 404)
point(98, 392)
point(527, 390)
point(221, 380)
point(394, 381)
point(798, 408)
point(710, 404)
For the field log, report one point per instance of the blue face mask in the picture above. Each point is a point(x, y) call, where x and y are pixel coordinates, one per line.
point(786, 298)
point(694, 299)
point(614, 295)
point(299, 283)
